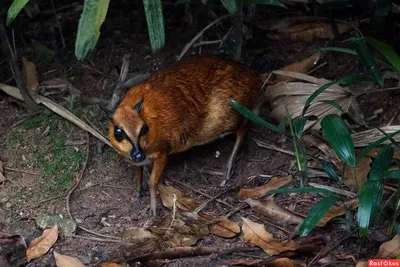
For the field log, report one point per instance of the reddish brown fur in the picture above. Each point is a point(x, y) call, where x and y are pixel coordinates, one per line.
point(184, 106)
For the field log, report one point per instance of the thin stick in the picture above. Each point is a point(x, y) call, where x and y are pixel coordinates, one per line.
point(21, 171)
point(58, 23)
point(72, 189)
point(190, 44)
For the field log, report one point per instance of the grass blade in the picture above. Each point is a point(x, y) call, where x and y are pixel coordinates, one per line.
point(93, 15)
point(387, 51)
point(15, 8)
point(369, 200)
point(367, 59)
point(252, 116)
point(381, 164)
point(315, 214)
point(393, 174)
point(333, 104)
point(375, 144)
point(339, 49)
point(155, 23)
point(339, 138)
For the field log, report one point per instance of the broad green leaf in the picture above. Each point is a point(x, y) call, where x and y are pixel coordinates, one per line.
point(381, 163)
point(301, 190)
point(316, 213)
point(369, 200)
point(266, 2)
point(155, 24)
point(333, 104)
point(339, 138)
point(93, 15)
point(375, 144)
point(387, 51)
point(253, 117)
point(330, 171)
point(300, 122)
point(393, 174)
point(15, 8)
point(367, 59)
point(232, 6)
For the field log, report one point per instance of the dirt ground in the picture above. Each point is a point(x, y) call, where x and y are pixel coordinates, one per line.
point(43, 154)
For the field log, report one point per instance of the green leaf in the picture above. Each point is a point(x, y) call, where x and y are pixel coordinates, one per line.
point(367, 59)
point(301, 190)
point(339, 138)
point(339, 49)
point(393, 174)
point(387, 51)
point(316, 213)
point(93, 15)
point(375, 144)
point(329, 170)
point(266, 2)
point(252, 116)
point(369, 200)
point(232, 6)
point(155, 24)
point(300, 123)
point(381, 164)
point(15, 8)
point(333, 104)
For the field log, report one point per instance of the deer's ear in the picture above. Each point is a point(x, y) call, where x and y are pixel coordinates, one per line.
point(138, 106)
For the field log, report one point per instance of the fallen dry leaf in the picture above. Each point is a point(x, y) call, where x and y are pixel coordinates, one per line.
point(333, 213)
point(309, 32)
point(362, 264)
point(295, 95)
point(255, 234)
point(111, 265)
point(282, 23)
point(182, 233)
point(301, 67)
point(365, 138)
point(67, 261)
point(2, 178)
point(39, 246)
point(30, 74)
point(182, 202)
point(276, 213)
point(356, 181)
point(325, 148)
point(223, 228)
point(390, 249)
point(260, 191)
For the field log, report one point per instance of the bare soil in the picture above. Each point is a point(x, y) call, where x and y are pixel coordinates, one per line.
point(29, 146)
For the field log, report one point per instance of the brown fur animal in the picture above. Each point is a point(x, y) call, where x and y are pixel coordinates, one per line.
point(183, 106)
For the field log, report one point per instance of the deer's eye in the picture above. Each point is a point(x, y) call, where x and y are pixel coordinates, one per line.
point(119, 134)
point(144, 130)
